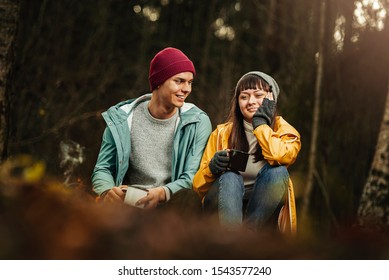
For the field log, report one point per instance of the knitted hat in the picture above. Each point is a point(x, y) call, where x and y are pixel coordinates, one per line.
point(167, 63)
point(272, 83)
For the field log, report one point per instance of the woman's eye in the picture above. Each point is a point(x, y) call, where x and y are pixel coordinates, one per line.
point(260, 95)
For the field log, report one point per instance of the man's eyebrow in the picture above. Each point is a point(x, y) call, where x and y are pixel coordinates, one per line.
point(184, 79)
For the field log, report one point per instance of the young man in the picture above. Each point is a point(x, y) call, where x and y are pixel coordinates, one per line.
point(156, 140)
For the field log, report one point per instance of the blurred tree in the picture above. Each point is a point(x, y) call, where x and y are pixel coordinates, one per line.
point(312, 169)
point(9, 17)
point(373, 211)
point(347, 10)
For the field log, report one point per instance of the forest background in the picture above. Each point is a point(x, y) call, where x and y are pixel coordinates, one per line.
point(74, 59)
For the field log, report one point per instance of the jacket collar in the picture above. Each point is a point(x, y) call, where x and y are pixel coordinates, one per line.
point(122, 111)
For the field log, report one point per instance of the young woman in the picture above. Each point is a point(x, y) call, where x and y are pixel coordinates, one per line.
point(264, 190)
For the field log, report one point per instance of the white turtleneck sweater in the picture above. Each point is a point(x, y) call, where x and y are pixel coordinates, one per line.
point(252, 167)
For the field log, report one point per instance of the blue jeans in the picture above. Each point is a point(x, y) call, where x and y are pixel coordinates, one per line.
point(255, 204)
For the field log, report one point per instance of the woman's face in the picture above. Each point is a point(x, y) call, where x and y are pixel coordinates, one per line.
point(249, 101)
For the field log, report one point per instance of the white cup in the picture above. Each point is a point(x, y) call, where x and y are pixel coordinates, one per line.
point(133, 194)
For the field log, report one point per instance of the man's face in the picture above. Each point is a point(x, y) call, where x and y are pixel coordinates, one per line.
point(176, 89)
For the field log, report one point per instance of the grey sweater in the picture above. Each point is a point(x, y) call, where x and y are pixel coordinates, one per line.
point(151, 146)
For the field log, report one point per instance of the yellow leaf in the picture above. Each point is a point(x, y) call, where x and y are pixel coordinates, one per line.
point(34, 172)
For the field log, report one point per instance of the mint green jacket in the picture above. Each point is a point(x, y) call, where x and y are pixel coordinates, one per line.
point(190, 138)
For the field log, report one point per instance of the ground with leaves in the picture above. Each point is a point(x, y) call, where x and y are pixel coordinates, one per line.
point(42, 219)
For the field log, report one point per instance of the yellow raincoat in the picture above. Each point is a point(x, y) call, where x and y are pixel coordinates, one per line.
point(279, 147)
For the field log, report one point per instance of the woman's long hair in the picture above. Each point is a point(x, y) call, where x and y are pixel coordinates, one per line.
point(238, 138)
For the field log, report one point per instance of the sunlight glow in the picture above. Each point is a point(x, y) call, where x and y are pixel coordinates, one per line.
point(137, 9)
point(223, 31)
point(237, 7)
point(367, 14)
point(152, 14)
point(370, 13)
point(339, 32)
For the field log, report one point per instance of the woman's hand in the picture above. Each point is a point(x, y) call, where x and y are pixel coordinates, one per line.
point(265, 113)
point(219, 162)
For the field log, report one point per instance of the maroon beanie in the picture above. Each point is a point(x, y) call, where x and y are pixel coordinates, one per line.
point(167, 63)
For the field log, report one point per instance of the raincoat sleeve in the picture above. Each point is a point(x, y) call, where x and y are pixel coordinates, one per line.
point(104, 172)
point(281, 145)
point(204, 177)
point(193, 157)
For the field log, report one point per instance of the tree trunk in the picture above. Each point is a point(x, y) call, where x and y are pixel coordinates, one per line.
point(373, 209)
point(205, 56)
point(9, 16)
point(316, 114)
point(272, 42)
point(348, 11)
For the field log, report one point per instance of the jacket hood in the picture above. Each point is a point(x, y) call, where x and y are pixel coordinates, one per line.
point(268, 79)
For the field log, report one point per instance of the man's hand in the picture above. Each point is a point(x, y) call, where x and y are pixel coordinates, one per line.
point(116, 194)
point(153, 197)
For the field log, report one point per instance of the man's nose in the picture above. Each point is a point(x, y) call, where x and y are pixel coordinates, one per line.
point(186, 87)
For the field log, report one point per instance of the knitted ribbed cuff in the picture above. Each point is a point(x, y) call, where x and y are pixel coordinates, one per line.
point(257, 121)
